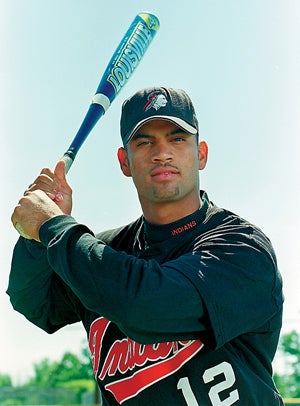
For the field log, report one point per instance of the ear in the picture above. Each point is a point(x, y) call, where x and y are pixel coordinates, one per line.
point(203, 154)
point(123, 161)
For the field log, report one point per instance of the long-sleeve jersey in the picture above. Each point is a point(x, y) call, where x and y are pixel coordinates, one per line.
point(187, 313)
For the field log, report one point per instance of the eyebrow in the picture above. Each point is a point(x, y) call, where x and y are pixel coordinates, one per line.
point(178, 130)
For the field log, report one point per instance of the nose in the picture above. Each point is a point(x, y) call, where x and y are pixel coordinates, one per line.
point(162, 153)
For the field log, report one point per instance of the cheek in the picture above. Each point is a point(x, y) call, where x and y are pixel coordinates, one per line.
point(192, 166)
point(192, 160)
point(135, 168)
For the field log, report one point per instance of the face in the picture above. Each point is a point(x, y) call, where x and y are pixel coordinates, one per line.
point(164, 163)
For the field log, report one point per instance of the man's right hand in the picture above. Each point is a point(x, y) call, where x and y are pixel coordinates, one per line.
point(48, 196)
point(55, 185)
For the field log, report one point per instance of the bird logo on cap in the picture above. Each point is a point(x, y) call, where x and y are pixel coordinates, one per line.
point(155, 100)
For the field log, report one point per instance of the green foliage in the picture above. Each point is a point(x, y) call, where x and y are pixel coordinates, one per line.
point(12, 402)
point(37, 396)
point(79, 386)
point(288, 384)
point(70, 368)
point(54, 382)
point(5, 380)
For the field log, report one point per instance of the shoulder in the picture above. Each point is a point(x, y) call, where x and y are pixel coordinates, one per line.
point(116, 236)
point(224, 228)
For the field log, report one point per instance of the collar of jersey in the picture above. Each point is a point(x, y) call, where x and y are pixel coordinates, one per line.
point(155, 233)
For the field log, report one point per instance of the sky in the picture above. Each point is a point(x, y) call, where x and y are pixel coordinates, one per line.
point(238, 60)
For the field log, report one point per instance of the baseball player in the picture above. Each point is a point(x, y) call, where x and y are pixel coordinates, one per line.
point(181, 307)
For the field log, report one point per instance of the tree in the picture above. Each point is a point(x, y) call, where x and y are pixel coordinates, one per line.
point(70, 367)
point(72, 372)
point(288, 384)
point(54, 382)
point(5, 380)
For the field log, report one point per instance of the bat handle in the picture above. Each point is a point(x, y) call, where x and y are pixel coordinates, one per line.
point(68, 157)
point(95, 111)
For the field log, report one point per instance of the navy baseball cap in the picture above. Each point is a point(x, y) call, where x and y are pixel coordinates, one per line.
point(157, 103)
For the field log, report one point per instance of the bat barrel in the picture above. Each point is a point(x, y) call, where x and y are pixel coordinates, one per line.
point(128, 54)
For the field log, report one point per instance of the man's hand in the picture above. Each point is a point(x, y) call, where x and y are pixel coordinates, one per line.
point(48, 196)
point(55, 185)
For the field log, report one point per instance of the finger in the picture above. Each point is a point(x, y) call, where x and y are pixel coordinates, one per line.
point(48, 172)
point(59, 171)
point(43, 182)
point(46, 176)
point(60, 177)
point(22, 233)
point(14, 216)
point(56, 196)
point(17, 225)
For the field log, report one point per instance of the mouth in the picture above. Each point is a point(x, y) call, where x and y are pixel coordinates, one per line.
point(163, 173)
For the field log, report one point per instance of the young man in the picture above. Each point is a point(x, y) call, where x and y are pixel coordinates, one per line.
point(184, 305)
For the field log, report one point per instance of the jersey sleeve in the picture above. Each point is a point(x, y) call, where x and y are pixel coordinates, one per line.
point(239, 283)
point(37, 292)
point(148, 301)
point(202, 294)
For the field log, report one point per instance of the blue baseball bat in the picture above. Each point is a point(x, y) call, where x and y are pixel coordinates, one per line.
point(125, 59)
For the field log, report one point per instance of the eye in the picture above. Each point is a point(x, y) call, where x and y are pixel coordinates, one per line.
point(144, 142)
point(178, 139)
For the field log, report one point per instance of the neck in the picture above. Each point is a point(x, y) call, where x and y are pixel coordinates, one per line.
point(168, 212)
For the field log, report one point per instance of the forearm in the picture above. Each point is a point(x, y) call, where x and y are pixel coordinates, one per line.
point(174, 300)
point(147, 300)
point(36, 291)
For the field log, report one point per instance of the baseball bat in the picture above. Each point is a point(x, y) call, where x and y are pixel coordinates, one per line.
point(125, 59)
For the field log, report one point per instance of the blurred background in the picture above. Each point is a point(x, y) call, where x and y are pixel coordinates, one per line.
point(238, 60)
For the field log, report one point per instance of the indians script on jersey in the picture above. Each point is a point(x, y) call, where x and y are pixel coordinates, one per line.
point(126, 367)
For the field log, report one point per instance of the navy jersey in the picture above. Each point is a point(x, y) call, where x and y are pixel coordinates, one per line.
point(187, 313)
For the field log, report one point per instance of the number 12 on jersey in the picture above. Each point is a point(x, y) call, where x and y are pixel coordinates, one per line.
point(214, 393)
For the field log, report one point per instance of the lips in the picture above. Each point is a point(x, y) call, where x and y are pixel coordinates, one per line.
point(164, 173)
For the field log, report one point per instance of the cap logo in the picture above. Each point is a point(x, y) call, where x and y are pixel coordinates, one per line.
point(155, 100)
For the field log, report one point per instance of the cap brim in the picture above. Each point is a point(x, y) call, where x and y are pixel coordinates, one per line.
point(178, 121)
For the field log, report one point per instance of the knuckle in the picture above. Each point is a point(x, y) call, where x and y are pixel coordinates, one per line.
point(46, 170)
